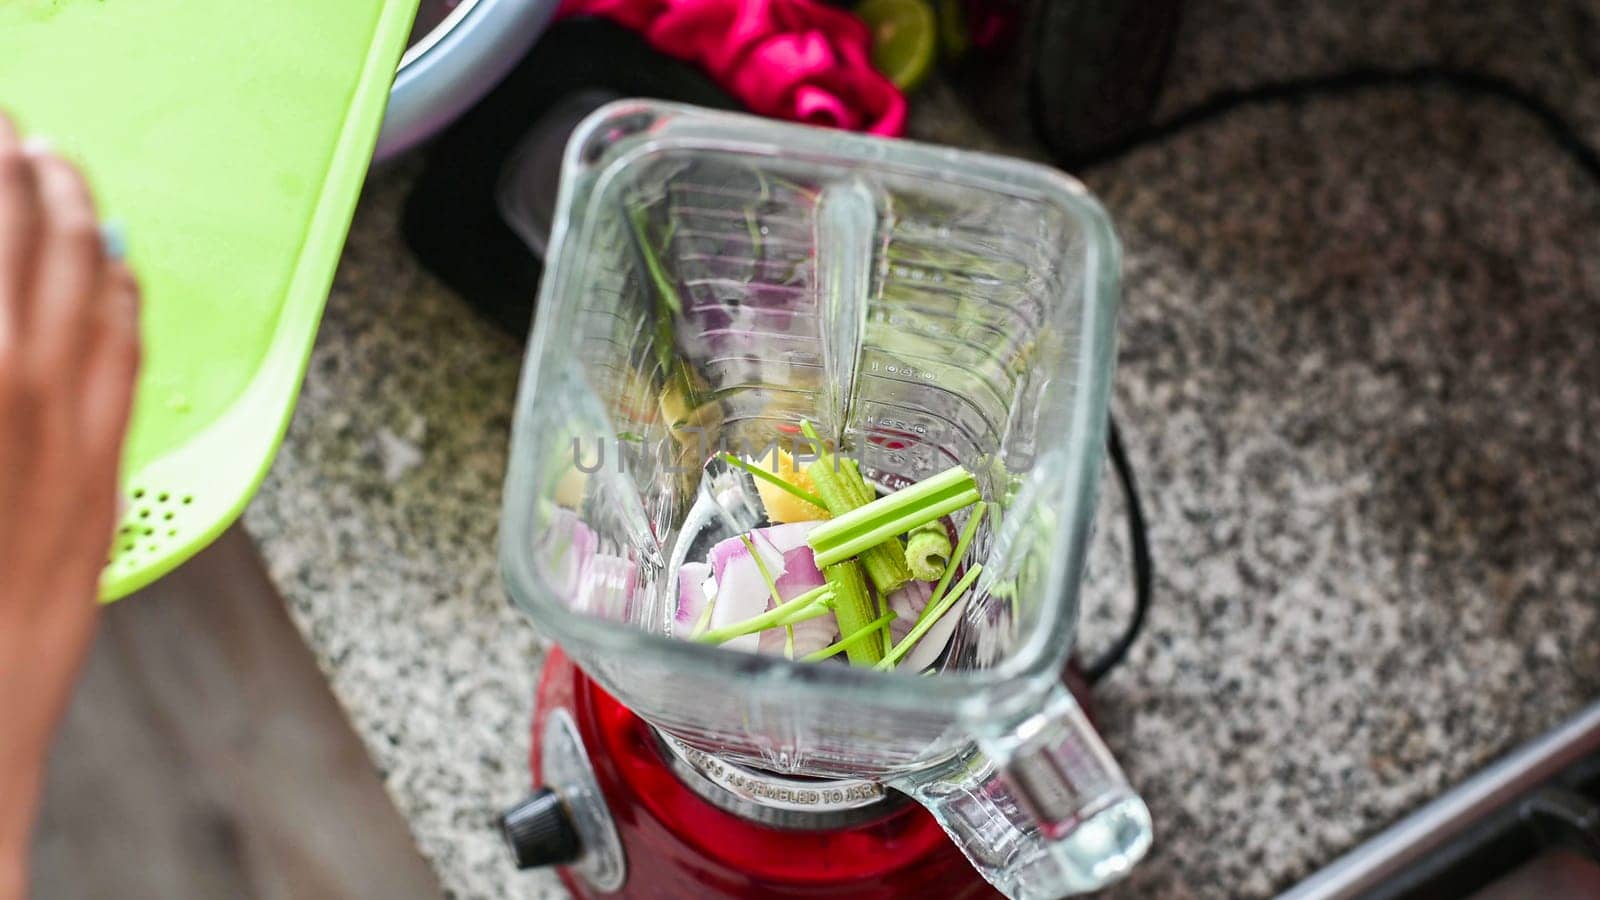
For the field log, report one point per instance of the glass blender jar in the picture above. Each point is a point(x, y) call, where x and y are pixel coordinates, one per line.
point(714, 281)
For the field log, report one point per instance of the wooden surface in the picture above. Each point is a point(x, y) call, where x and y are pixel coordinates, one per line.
point(204, 757)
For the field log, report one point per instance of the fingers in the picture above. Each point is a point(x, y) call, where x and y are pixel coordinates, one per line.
point(19, 228)
point(71, 265)
point(113, 368)
point(108, 387)
point(69, 355)
point(69, 344)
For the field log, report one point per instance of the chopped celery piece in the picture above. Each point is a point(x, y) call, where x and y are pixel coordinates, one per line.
point(843, 490)
point(894, 514)
point(816, 609)
point(962, 542)
point(927, 620)
point(855, 639)
point(761, 566)
point(853, 608)
point(886, 566)
point(834, 494)
point(883, 609)
point(701, 624)
point(886, 563)
point(778, 615)
point(638, 218)
point(775, 481)
point(858, 485)
point(928, 551)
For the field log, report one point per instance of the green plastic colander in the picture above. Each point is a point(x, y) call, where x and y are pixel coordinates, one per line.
point(229, 140)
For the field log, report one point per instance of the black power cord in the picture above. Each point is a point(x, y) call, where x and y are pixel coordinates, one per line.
point(1467, 82)
point(1139, 549)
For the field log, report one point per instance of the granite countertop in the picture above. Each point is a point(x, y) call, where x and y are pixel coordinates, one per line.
point(1358, 377)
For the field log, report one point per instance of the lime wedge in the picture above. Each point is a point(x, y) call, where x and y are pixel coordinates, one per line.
point(904, 39)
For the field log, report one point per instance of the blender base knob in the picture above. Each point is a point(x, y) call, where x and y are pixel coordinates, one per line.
point(540, 832)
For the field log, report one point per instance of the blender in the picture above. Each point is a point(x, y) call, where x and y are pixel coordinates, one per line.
point(716, 280)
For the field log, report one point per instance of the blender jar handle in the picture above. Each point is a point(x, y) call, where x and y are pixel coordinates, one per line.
point(1041, 810)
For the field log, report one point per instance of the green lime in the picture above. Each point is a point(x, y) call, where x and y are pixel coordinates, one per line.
point(904, 39)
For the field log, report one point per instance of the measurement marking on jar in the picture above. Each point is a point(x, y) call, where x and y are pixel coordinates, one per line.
point(903, 425)
point(902, 370)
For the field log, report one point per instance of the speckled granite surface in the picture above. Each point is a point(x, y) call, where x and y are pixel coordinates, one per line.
point(1360, 376)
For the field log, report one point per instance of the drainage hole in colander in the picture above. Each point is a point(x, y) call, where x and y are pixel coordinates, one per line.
point(138, 493)
point(188, 499)
point(167, 516)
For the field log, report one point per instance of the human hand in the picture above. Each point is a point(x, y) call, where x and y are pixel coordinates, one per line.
point(69, 354)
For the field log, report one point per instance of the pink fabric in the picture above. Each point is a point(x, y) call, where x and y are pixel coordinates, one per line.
point(790, 59)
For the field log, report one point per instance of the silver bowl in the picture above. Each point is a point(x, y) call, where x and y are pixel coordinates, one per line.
point(459, 50)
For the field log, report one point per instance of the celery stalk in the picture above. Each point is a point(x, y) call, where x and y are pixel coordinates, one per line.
point(858, 485)
point(822, 606)
point(853, 608)
point(638, 218)
point(835, 495)
point(928, 551)
point(894, 514)
point(775, 481)
point(884, 610)
point(842, 488)
point(704, 621)
point(886, 563)
point(782, 614)
point(927, 621)
point(968, 531)
point(855, 639)
point(761, 566)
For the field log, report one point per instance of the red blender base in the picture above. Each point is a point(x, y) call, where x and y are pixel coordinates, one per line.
point(678, 845)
